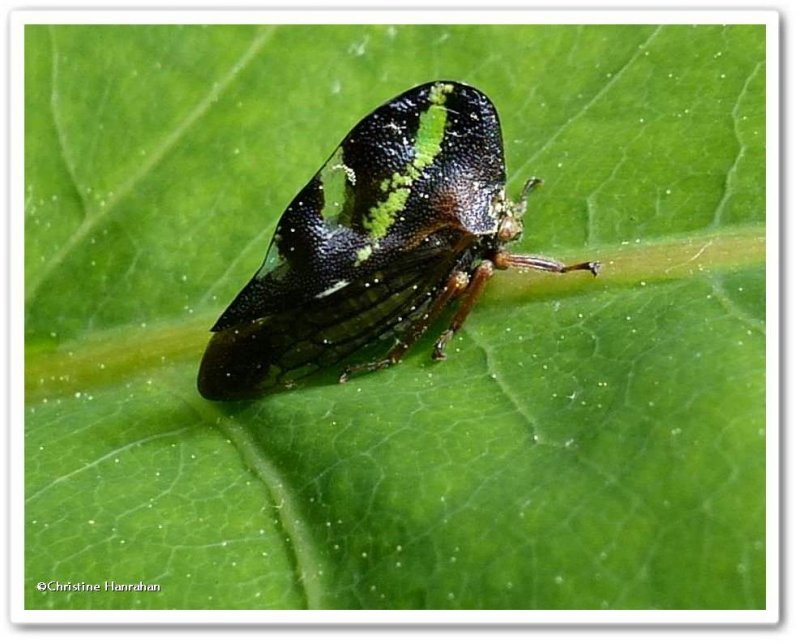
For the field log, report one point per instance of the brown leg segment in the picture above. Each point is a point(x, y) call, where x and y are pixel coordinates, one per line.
point(504, 260)
point(477, 283)
point(456, 285)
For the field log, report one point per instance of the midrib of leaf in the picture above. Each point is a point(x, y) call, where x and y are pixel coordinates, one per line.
point(95, 216)
point(103, 358)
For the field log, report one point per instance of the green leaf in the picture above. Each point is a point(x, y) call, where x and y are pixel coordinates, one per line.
point(590, 443)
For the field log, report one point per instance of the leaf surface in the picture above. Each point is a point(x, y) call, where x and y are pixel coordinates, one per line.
point(589, 443)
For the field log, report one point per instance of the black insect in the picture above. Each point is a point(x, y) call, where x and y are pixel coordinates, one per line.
point(408, 214)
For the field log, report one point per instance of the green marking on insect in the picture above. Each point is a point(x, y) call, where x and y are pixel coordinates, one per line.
point(431, 130)
point(381, 217)
point(363, 254)
point(428, 144)
point(334, 177)
point(439, 91)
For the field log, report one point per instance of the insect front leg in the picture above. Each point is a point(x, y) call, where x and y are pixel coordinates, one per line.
point(456, 284)
point(480, 277)
point(504, 260)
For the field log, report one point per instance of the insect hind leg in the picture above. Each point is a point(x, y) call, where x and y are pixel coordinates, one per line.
point(457, 283)
point(480, 277)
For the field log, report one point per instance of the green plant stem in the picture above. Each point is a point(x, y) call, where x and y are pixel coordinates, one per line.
point(99, 359)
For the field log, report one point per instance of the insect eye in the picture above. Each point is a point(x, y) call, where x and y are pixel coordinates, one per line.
point(509, 230)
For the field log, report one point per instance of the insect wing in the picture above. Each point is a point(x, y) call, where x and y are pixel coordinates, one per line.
point(284, 346)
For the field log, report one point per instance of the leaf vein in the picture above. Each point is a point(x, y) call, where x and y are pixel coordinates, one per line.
point(734, 167)
point(734, 309)
point(308, 568)
point(93, 219)
point(502, 385)
point(97, 461)
point(591, 102)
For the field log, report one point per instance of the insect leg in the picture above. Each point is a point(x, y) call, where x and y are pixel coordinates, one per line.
point(504, 260)
point(456, 284)
point(477, 283)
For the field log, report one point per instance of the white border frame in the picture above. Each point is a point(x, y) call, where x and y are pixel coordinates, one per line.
point(18, 614)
